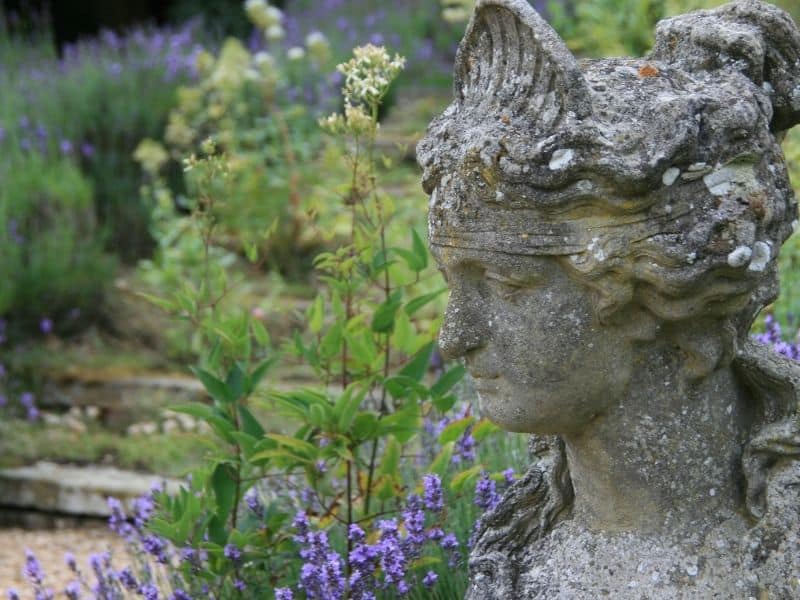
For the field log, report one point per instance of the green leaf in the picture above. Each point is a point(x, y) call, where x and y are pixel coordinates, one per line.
point(403, 424)
point(446, 382)
point(383, 319)
point(249, 423)
point(442, 460)
point(464, 477)
point(258, 373)
point(215, 387)
point(455, 430)
point(315, 314)
point(410, 258)
point(199, 411)
point(391, 457)
point(301, 446)
point(483, 428)
point(415, 304)
point(260, 332)
point(347, 406)
point(223, 482)
point(162, 303)
point(217, 532)
point(418, 366)
point(235, 382)
point(444, 403)
point(420, 249)
point(331, 342)
point(365, 426)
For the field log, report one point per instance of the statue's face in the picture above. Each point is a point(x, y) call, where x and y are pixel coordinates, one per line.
point(540, 359)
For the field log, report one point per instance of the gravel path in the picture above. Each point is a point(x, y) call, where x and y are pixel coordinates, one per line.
point(50, 547)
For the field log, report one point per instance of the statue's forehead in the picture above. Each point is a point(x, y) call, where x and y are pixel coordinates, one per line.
point(450, 257)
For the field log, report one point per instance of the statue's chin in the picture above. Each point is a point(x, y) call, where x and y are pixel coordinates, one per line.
point(527, 412)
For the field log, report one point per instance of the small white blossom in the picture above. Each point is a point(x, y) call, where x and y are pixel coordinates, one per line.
point(262, 14)
point(318, 46)
point(274, 33)
point(295, 53)
point(369, 73)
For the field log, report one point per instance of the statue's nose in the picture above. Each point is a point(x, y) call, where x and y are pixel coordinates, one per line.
point(464, 326)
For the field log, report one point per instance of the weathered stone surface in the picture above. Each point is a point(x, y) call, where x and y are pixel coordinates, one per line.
point(609, 229)
point(82, 491)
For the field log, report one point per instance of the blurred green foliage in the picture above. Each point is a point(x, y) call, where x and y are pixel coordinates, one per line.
point(50, 250)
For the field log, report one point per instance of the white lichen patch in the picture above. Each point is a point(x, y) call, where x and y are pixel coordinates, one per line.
point(597, 252)
point(761, 255)
point(725, 180)
point(739, 257)
point(670, 176)
point(561, 158)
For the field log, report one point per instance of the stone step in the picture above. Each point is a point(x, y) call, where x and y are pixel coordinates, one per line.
point(70, 490)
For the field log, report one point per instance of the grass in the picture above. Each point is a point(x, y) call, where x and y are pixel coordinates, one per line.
point(171, 455)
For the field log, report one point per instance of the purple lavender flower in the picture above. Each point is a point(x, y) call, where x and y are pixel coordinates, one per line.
point(464, 450)
point(69, 560)
point(143, 509)
point(239, 585)
point(355, 533)
point(73, 590)
point(46, 325)
point(13, 594)
point(430, 579)
point(27, 399)
point(155, 546)
point(432, 492)
point(508, 475)
point(486, 496)
point(32, 414)
point(180, 595)
point(117, 521)
point(127, 579)
point(283, 594)
point(414, 521)
point(253, 502)
point(3, 400)
point(65, 146)
point(232, 553)
point(149, 591)
point(33, 570)
point(87, 150)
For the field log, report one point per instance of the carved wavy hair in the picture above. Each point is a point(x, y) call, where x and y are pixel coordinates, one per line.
point(664, 237)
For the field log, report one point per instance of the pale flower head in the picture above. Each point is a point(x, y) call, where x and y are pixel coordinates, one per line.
point(369, 73)
point(262, 14)
point(295, 53)
point(274, 33)
point(318, 46)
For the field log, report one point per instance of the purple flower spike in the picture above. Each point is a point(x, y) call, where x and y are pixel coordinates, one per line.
point(149, 591)
point(486, 493)
point(13, 594)
point(232, 553)
point(69, 560)
point(73, 590)
point(430, 579)
point(432, 494)
point(65, 146)
point(33, 570)
point(46, 325)
point(283, 594)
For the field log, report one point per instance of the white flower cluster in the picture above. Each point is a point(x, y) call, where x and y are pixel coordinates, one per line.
point(369, 73)
point(318, 46)
point(355, 121)
point(265, 17)
point(457, 11)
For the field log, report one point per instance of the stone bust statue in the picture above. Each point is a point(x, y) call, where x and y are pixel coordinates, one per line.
point(609, 231)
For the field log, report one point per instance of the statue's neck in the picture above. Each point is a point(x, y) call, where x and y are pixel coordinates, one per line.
point(666, 457)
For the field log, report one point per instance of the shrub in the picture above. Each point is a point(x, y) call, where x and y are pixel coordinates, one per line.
point(50, 250)
point(95, 103)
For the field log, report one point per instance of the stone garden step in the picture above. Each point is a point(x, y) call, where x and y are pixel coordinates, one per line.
point(69, 490)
